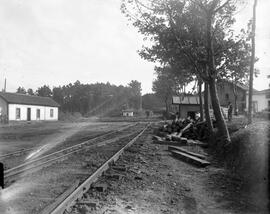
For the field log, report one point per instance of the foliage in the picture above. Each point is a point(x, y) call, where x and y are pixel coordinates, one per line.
point(30, 91)
point(152, 102)
point(135, 89)
point(195, 35)
point(44, 91)
point(91, 99)
point(21, 90)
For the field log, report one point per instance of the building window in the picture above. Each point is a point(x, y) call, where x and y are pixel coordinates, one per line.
point(51, 112)
point(226, 96)
point(38, 114)
point(18, 113)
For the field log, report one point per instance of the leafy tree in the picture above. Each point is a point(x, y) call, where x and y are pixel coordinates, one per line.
point(21, 90)
point(152, 102)
point(166, 85)
point(197, 33)
point(44, 91)
point(135, 90)
point(30, 91)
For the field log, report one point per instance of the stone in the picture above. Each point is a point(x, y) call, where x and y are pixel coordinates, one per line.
point(100, 187)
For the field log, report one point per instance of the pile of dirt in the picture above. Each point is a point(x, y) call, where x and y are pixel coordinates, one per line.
point(248, 156)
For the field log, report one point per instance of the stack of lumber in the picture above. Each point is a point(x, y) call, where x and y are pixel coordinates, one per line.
point(183, 133)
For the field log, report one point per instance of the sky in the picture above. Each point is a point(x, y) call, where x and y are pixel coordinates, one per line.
point(56, 42)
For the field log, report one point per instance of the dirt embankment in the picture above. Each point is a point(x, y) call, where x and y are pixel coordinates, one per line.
point(248, 160)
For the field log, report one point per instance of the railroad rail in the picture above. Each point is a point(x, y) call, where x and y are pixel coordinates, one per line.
point(75, 192)
point(58, 155)
point(22, 151)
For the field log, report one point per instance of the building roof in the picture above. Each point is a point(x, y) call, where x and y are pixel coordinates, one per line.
point(239, 85)
point(16, 98)
point(265, 91)
point(128, 110)
point(186, 100)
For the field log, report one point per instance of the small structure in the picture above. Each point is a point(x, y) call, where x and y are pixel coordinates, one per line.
point(128, 112)
point(188, 105)
point(260, 101)
point(22, 107)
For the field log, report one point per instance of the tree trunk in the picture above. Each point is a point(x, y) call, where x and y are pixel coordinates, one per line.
point(222, 127)
point(235, 105)
point(235, 98)
point(221, 124)
point(206, 109)
point(167, 107)
point(201, 103)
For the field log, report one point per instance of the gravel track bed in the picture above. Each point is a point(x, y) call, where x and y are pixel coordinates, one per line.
point(81, 136)
point(37, 190)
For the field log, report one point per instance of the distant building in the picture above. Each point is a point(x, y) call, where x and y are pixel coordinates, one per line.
point(225, 90)
point(260, 100)
point(128, 113)
point(21, 107)
point(187, 105)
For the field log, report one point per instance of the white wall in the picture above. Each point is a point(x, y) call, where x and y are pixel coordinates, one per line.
point(261, 100)
point(44, 112)
point(128, 114)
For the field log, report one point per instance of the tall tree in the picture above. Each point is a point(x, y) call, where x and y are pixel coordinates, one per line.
point(135, 89)
point(197, 31)
point(21, 90)
point(30, 91)
point(166, 85)
point(44, 91)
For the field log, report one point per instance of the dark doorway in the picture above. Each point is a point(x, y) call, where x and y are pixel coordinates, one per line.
point(28, 114)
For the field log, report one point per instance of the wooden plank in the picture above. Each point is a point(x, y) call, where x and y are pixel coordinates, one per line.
point(190, 159)
point(197, 143)
point(62, 197)
point(170, 148)
point(167, 142)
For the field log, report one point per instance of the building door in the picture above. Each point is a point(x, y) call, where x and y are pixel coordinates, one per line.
point(28, 114)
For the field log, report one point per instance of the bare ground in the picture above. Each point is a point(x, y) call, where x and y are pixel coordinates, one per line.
point(155, 182)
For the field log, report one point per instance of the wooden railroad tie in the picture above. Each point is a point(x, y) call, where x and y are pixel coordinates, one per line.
point(190, 158)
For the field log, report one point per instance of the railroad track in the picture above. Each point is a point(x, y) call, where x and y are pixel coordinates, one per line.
point(60, 154)
point(54, 188)
point(22, 151)
point(75, 192)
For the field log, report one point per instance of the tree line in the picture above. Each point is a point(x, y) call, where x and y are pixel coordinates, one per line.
point(192, 41)
point(90, 98)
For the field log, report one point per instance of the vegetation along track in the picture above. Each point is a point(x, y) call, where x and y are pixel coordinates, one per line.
point(60, 154)
point(52, 189)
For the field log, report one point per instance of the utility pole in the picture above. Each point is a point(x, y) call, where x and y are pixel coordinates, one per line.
point(250, 93)
point(5, 85)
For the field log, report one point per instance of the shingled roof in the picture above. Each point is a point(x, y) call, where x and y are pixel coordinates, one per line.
point(16, 98)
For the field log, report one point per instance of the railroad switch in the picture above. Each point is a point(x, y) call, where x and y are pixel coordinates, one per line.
point(2, 175)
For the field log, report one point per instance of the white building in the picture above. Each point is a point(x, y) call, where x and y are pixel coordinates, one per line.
point(21, 107)
point(128, 113)
point(260, 100)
